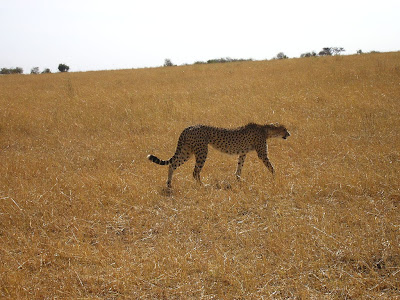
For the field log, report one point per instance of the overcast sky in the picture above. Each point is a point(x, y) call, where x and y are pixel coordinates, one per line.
point(119, 34)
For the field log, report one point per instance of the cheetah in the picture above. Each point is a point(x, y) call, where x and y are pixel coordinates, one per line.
point(239, 141)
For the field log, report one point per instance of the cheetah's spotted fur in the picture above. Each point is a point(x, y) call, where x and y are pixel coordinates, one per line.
point(195, 140)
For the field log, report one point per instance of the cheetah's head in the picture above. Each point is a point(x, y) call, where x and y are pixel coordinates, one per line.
point(276, 130)
point(285, 133)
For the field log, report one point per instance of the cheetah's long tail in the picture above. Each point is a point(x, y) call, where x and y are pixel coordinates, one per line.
point(158, 161)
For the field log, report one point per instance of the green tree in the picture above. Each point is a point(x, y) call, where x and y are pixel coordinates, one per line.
point(328, 51)
point(168, 63)
point(325, 52)
point(63, 68)
point(281, 55)
point(16, 70)
point(35, 70)
point(308, 54)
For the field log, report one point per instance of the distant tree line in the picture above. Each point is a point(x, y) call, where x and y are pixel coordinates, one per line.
point(226, 60)
point(16, 70)
point(222, 60)
point(168, 62)
point(35, 70)
point(327, 51)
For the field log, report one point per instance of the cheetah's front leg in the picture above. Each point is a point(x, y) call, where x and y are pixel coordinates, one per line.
point(240, 165)
point(170, 172)
point(262, 154)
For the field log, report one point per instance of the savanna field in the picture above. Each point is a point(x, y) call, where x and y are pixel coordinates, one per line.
point(84, 214)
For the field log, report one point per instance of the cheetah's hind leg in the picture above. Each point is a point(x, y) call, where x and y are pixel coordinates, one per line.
point(240, 166)
point(177, 160)
point(201, 156)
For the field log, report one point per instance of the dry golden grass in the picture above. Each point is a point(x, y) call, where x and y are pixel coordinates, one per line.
point(83, 213)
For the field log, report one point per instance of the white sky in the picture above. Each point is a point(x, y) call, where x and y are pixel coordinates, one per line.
point(119, 34)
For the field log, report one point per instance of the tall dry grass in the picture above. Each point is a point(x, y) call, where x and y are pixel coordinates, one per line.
point(83, 214)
